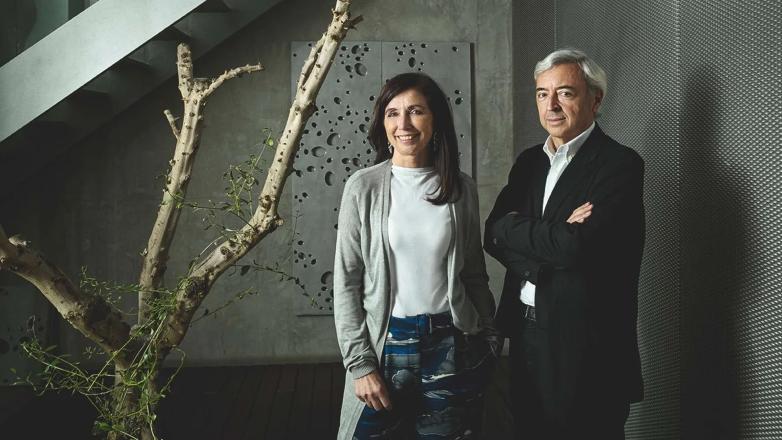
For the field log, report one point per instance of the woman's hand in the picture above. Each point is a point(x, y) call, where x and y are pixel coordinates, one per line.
point(371, 390)
point(581, 213)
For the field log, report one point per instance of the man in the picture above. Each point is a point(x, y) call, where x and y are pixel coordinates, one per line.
point(569, 228)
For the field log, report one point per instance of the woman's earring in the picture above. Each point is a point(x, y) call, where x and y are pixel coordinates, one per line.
point(390, 149)
point(435, 143)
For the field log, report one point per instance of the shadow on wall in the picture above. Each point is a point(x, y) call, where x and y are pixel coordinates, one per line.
point(657, 416)
point(17, 18)
point(713, 232)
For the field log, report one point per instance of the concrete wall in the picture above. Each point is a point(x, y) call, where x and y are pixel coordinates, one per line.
point(17, 19)
point(24, 22)
point(95, 205)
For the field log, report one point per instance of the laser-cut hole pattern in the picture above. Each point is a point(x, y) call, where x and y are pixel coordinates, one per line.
point(334, 143)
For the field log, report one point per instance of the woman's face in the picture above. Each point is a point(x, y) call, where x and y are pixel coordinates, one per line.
point(409, 124)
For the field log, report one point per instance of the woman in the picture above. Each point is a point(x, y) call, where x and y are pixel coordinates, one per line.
point(412, 306)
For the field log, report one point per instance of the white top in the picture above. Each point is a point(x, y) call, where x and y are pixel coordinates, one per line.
point(559, 160)
point(419, 235)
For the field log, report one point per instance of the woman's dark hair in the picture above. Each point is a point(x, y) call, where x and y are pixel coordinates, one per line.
point(445, 154)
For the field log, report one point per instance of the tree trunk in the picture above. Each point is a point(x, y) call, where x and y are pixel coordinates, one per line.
point(100, 321)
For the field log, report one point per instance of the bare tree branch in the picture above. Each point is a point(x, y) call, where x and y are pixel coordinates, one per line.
point(89, 314)
point(230, 74)
point(194, 93)
point(172, 122)
point(265, 219)
point(184, 69)
point(309, 63)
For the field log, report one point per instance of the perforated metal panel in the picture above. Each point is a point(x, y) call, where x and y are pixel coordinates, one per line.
point(335, 144)
point(731, 77)
point(332, 147)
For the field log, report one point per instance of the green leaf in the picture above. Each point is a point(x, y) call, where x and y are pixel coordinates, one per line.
point(102, 426)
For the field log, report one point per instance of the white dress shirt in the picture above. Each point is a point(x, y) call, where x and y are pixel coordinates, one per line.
point(559, 161)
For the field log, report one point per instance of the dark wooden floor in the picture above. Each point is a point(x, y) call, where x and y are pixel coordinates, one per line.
point(236, 403)
point(233, 403)
point(266, 402)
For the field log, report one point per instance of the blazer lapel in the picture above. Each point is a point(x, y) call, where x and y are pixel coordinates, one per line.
point(574, 172)
point(539, 174)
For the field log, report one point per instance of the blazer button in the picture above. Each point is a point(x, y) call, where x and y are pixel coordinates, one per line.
point(526, 273)
point(494, 240)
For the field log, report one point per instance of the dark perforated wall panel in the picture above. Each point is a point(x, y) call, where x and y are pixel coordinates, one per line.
point(695, 88)
point(533, 39)
point(731, 189)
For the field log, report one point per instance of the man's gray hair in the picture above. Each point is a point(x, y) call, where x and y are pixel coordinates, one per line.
point(594, 75)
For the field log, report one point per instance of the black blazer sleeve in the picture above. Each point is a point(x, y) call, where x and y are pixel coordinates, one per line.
point(522, 266)
point(616, 193)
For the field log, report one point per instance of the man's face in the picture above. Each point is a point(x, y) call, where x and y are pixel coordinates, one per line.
point(566, 106)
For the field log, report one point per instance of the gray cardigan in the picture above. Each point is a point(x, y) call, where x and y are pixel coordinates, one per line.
point(362, 292)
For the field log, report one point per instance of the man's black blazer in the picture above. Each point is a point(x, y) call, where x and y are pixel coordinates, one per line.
point(586, 275)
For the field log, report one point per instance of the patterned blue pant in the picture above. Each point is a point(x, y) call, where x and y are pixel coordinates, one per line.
point(435, 375)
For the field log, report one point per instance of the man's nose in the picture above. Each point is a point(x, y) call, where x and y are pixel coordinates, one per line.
point(553, 102)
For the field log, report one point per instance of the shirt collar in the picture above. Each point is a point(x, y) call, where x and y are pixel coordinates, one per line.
point(570, 148)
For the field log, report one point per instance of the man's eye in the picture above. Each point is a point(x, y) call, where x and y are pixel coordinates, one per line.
point(540, 95)
point(566, 94)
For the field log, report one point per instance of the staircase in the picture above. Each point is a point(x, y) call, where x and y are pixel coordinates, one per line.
point(96, 65)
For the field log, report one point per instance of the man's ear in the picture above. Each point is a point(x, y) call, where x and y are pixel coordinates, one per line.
point(598, 100)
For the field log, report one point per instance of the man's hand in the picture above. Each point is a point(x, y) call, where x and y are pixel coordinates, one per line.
point(581, 213)
point(371, 390)
point(495, 343)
